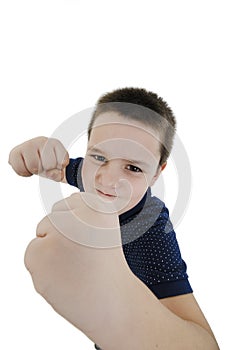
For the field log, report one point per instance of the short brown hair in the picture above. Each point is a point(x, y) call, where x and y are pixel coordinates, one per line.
point(144, 106)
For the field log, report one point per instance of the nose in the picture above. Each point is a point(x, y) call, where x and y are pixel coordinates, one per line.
point(108, 175)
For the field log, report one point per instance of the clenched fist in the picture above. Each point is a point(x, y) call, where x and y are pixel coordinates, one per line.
point(41, 155)
point(77, 263)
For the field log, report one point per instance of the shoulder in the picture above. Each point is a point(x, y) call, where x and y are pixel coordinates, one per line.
point(153, 218)
point(156, 214)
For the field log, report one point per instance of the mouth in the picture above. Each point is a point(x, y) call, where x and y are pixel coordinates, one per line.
point(106, 195)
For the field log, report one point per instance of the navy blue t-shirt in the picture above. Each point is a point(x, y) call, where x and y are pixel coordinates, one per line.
point(149, 242)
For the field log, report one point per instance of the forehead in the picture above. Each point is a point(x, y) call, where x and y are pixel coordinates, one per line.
point(114, 133)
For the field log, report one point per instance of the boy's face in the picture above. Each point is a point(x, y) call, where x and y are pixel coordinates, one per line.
point(122, 160)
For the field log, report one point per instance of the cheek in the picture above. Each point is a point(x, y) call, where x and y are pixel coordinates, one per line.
point(133, 193)
point(139, 186)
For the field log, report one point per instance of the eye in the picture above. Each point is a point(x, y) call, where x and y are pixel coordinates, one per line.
point(99, 158)
point(133, 168)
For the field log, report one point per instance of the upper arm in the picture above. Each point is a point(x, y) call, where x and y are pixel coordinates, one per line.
point(186, 307)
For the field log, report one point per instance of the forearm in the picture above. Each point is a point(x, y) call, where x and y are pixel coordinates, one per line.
point(140, 321)
point(64, 180)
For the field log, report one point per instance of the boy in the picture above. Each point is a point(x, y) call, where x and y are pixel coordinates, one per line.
point(130, 137)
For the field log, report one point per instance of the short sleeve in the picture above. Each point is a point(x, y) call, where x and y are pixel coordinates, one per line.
point(155, 259)
point(73, 173)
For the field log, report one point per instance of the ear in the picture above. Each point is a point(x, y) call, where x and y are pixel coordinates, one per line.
point(158, 172)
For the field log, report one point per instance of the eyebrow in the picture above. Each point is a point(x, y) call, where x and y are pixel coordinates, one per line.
point(138, 162)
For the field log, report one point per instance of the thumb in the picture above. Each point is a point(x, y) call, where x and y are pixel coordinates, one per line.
point(55, 174)
point(44, 227)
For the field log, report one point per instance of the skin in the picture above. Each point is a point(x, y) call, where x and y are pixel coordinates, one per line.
point(121, 162)
point(71, 272)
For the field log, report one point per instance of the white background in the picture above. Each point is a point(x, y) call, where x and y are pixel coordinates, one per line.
point(57, 58)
